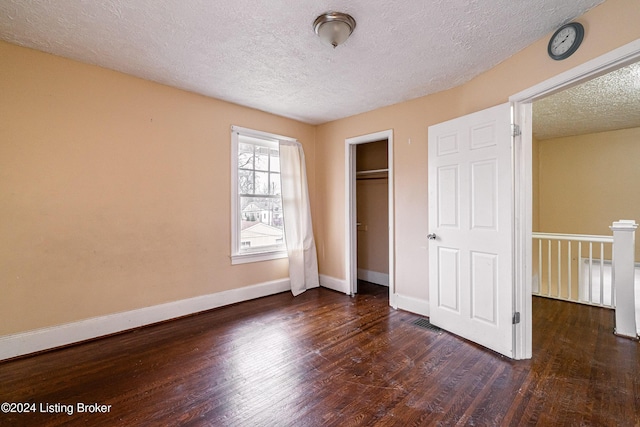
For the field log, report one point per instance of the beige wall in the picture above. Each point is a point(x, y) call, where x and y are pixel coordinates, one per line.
point(608, 26)
point(587, 182)
point(115, 191)
point(535, 178)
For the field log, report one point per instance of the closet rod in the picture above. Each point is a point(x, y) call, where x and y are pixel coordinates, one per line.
point(363, 178)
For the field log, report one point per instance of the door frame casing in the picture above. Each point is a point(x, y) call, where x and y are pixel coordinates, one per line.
point(351, 256)
point(523, 180)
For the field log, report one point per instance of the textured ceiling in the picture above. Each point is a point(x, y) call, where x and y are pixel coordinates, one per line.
point(605, 103)
point(265, 55)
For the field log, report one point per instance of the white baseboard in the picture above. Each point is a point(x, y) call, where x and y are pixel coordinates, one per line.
point(56, 336)
point(339, 285)
point(373, 277)
point(413, 305)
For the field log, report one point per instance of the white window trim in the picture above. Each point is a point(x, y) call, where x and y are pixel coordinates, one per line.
point(236, 256)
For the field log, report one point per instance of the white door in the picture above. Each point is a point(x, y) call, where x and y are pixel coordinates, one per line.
point(470, 226)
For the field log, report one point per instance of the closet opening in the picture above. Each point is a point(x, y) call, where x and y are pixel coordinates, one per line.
point(369, 212)
point(372, 213)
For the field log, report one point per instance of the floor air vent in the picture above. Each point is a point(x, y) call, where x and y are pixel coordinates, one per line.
point(426, 324)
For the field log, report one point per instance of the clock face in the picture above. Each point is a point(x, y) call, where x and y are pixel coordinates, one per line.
point(565, 41)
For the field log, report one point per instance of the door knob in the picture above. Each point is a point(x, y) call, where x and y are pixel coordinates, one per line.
point(431, 236)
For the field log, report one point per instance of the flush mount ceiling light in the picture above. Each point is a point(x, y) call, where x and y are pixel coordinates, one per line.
point(334, 27)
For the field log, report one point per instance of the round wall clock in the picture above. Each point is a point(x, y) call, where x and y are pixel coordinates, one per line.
point(565, 41)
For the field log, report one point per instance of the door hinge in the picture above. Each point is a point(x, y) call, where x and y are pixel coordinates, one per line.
point(516, 318)
point(515, 130)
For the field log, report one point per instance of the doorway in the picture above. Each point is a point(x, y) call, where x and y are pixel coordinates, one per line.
point(523, 181)
point(369, 190)
point(585, 155)
point(372, 212)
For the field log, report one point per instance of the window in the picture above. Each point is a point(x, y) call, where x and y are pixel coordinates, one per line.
point(257, 223)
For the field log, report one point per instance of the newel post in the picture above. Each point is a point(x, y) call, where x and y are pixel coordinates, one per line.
point(624, 232)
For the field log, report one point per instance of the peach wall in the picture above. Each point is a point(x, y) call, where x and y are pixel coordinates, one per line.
point(608, 26)
point(535, 184)
point(115, 191)
point(373, 233)
point(587, 182)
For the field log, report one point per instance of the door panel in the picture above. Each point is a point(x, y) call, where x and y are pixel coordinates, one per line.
point(470, 211)
point(448, 196)
point(449, 290)
point(483, 190)
point(484, 283)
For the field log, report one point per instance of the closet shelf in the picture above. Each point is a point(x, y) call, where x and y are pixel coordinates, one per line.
point(372, 174)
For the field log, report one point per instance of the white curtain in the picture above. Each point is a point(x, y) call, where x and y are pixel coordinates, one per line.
point(298, 232)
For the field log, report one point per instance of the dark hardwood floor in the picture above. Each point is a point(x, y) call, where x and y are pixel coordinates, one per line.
point(325, 359)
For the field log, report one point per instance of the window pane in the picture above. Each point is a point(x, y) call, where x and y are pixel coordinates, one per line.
point(262, 183)
point(275, 161)
point(262, 159)
point(245, 156)
point(275, 184)
point(262, 225)
point(245, 182)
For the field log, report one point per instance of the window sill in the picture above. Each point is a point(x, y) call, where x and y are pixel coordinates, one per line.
point(246, 258)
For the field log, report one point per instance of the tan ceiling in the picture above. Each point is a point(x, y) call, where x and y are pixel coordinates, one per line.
point(606, 103)
point(265, 55)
